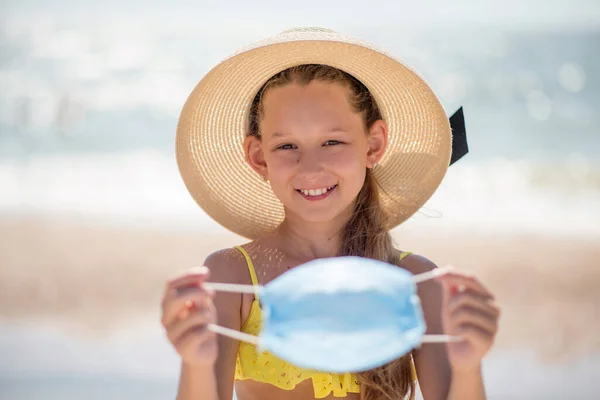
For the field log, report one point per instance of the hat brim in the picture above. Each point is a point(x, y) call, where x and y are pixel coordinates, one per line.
point(214, 119)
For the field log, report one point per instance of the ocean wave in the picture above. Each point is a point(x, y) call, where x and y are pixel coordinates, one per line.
point(146, 186)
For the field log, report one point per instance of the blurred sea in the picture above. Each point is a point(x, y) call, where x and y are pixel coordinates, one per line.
point(88, 108)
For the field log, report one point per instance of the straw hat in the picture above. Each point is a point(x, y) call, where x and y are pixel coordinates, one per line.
point(214, 120)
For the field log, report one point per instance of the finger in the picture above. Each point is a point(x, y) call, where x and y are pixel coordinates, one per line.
point(474, 334)
point(208, 290)
point(188, 298)
point(473, 317)
point(186, 311)
point(473, 300)
point(464, 281)
point(195, 321)
point(188, 279)
point(181, 308)
point(196, 274)
point(193, 338)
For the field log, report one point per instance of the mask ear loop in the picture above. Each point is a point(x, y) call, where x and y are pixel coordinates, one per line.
point(232, 333)
point(238, 288)
point(425, 276)
point(434, 273)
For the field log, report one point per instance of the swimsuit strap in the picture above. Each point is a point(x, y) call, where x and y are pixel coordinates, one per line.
point(251, 269)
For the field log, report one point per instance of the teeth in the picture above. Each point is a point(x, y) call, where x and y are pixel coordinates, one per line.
point(316, 192)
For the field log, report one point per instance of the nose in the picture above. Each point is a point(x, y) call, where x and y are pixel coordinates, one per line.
point(310, 165)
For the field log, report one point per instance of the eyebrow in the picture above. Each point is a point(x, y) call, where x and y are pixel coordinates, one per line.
point(334, 129)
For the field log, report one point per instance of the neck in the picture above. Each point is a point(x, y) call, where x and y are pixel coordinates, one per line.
point(309, 240)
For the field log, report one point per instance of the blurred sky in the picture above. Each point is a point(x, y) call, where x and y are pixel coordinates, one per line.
point(522, 14)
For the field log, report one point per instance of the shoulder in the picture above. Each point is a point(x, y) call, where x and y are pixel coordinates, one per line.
point(227, 265)
point(414, 263)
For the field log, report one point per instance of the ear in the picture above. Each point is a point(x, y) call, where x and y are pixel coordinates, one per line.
point(378, 141)
point(255, 156)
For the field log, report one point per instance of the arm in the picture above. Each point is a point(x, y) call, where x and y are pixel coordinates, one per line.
point(453, 371)
point(467, 385)
point(214, 382)
point(431, 359)
point(197, 383)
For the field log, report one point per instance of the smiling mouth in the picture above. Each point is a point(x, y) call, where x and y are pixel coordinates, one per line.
point(315, 194)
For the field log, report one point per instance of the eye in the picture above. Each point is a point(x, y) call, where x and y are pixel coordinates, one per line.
point(332, 143)
point(286, 146)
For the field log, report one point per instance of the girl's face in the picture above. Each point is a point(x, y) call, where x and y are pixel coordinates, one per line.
point(314, 149)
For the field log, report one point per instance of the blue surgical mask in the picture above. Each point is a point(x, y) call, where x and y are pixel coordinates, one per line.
point(342, 314)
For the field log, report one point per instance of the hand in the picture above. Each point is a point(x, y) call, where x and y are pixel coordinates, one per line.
point(187, 309)
point(468, 311)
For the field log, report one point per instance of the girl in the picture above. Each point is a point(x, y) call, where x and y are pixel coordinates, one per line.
point(315, 145)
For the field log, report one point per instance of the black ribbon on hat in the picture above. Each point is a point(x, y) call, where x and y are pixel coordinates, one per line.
point(459, 136)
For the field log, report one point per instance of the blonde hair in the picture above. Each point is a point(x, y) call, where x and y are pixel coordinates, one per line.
point(365, 234)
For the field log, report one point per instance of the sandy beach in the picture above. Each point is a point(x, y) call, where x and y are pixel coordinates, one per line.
point(93, 277)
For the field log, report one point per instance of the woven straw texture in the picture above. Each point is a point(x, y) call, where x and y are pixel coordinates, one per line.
point(214, 119)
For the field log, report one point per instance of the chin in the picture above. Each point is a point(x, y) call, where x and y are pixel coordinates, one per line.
point(320, 215)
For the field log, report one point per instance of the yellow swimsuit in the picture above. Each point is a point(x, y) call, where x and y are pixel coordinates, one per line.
point(265, 367)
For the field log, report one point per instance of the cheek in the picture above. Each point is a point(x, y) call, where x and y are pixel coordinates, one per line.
point(351, 165)
point(280, 162)
point(282, 166)
point(347, 160)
